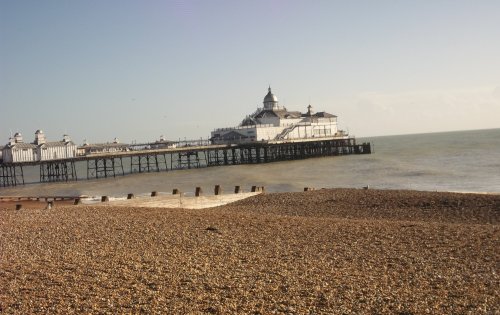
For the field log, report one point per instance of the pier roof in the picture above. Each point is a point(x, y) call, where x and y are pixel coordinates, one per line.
point(281, 113)
point(21, 145)
point(56, 143)
point(323, 115)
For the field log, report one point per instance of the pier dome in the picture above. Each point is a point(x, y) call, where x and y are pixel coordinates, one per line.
point(270, 100)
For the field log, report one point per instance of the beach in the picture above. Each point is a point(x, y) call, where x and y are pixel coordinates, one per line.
point(328, 251)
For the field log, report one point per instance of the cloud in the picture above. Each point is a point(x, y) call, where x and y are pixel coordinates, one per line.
point(428, 110)
point(496, 92)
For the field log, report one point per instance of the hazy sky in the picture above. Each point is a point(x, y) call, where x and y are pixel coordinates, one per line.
point(140, 69)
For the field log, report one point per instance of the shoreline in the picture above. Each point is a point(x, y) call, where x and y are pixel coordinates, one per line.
point(144, 199)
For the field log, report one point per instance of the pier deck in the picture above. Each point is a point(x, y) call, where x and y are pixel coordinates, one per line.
point(112, 164)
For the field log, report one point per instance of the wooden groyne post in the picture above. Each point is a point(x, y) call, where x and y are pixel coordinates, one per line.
point(198, 192)
point(217, 190)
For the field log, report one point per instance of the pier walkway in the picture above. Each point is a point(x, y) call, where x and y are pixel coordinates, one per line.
point(185, 155)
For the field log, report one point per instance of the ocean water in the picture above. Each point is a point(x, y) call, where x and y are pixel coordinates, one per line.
point(465, 161)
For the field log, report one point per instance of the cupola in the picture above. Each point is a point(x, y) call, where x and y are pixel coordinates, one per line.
point(270, 100)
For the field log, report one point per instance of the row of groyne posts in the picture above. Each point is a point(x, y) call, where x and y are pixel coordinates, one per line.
point(197, 193)
point(157, 160)
point(50, 201)
point(78, 200)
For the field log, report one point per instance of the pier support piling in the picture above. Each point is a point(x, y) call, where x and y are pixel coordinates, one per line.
point(57, 171)
point(11, 175)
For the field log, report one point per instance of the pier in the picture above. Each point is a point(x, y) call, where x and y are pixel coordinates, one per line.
point(185, 155)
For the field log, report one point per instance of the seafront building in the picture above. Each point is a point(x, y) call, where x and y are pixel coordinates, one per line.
point(18, 151)
point(93, 148)
point(163, 143)
point(40, 150)
point(273, 122)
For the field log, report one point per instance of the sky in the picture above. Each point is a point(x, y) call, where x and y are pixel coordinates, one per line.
point(136, 70)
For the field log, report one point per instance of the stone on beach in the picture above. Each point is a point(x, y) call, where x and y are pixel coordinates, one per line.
point(323, 251)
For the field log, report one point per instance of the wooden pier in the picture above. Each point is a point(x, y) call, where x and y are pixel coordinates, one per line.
point(191, 155)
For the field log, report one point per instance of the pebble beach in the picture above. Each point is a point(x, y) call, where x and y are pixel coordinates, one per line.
point(331, 251)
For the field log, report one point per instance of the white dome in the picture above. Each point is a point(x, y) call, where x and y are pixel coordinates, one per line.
point(270, 97)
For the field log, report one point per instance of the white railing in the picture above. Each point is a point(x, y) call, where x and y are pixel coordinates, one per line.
point(243, 127)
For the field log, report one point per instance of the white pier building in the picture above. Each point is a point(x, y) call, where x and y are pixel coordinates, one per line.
point(40, 150)
point(275, 123)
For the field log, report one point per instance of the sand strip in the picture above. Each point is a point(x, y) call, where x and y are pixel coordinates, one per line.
point(178, 201)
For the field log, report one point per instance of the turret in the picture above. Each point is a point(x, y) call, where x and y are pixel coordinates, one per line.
point(39, 137)
point(66, 139)
point(18, 137)
point(310, 111)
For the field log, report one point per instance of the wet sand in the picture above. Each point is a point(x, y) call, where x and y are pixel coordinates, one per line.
point(180, 201)
point(321, 252)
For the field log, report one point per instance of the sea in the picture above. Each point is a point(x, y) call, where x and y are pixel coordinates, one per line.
point(459, 161)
